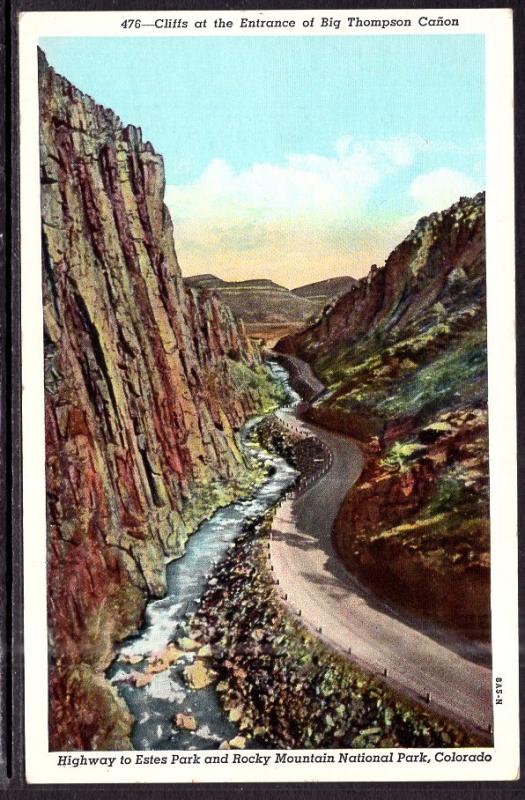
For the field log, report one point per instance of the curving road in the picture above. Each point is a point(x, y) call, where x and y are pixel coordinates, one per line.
point(424, 663)
point(301, 374)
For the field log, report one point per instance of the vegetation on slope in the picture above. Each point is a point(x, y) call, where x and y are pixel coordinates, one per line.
point(403, 357)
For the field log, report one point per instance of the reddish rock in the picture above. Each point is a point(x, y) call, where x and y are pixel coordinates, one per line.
point(143, 396)
point(414, 276)
point(403, 358)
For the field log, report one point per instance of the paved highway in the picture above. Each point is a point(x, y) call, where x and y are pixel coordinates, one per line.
point(424, 663)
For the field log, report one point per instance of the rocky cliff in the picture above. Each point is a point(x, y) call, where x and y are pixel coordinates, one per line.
point(403, 356)
point(146, 386)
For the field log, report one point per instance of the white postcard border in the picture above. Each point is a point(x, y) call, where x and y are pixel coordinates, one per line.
point(42, 766)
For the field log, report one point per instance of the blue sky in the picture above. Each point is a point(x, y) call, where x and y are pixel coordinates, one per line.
point(342, 139)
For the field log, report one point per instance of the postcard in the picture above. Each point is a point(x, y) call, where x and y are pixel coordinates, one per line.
point(269, 456)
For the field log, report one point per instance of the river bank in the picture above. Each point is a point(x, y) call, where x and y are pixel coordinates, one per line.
point(160, 673)
point(220, 661)
point(281, 684)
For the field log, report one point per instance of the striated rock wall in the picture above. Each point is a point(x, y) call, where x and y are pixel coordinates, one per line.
point(146, 385)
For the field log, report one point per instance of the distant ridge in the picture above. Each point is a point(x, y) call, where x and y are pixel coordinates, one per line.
point(266, 307)
point(206, 280)
point(259, 301)
point(329, 288)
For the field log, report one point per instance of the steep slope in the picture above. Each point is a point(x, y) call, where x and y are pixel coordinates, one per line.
point(403, 356)
point(146, 386)
point(328, 289)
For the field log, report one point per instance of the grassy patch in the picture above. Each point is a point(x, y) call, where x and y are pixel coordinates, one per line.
point(258, 380)
point(426, 368)
point(401, 454)
point(453, 375)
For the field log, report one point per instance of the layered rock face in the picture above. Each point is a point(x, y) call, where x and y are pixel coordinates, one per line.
point(146, 386)
point(403, 355)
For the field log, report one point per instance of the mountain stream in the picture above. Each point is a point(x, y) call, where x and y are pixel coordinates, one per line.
point(155, 705)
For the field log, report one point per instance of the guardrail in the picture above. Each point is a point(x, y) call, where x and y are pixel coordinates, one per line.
point(305, 483)
point(373, 669)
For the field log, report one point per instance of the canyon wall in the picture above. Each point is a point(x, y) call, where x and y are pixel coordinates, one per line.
point(146, 386)
point(403, 357)
point(443, 252)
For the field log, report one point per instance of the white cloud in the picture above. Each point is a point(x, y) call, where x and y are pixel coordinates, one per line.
point(438, 189)
point(398, 150)
point(309, 214)
point(304, 185)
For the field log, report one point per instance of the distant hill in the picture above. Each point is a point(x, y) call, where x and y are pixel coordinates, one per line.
point(267, 309)
point(206, 281)
point(329, 288)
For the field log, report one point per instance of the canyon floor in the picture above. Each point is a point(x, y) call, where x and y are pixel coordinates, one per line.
point(422, 662)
